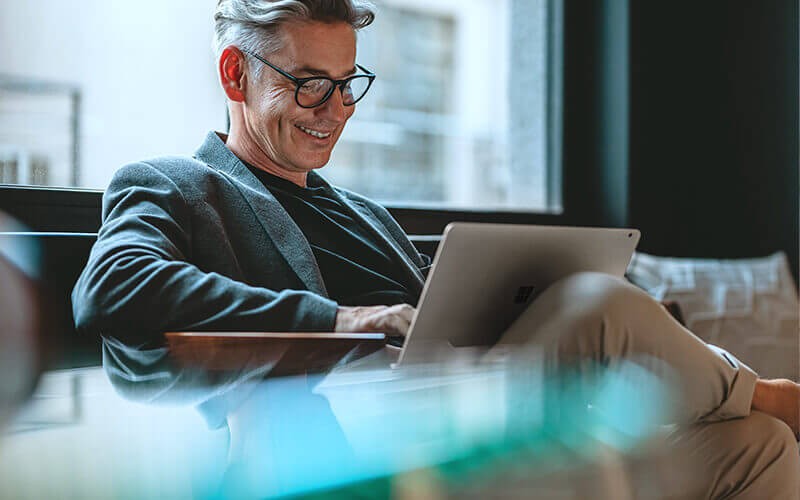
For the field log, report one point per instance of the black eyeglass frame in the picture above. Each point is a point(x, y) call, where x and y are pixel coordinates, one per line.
point(299, 82)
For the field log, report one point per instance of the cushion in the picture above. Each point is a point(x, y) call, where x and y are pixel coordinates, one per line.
point(746, 306)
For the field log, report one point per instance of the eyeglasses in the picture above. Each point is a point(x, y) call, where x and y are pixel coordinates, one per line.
point(314, 91)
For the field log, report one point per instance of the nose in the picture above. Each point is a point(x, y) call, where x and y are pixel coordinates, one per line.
point(333, 109)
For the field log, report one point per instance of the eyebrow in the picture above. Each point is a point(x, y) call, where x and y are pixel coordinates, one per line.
point(320, 72)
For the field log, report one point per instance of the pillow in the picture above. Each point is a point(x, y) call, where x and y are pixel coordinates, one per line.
point(746, 306)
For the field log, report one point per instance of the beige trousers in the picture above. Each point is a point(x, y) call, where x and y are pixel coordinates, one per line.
point(590, 320)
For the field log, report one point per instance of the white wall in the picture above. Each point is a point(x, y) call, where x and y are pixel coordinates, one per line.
point(145, 68)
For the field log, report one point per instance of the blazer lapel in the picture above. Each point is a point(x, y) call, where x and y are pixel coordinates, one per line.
point(288, 238)
point(374, 226)
point(365, 215)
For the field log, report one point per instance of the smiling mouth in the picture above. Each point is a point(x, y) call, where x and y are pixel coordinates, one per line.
point(314, 133)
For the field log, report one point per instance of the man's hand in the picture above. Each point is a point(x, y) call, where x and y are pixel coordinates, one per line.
point(391, 320)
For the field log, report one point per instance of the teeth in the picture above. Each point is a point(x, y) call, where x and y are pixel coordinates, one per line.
point(320, 135)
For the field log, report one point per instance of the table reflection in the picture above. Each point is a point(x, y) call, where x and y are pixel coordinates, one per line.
point(153, 426)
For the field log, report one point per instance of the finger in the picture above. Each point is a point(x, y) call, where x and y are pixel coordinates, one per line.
point(406, 311)
point(394, 324)
point(403, 324)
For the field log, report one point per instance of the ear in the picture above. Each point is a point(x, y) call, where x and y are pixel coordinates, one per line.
point(232, 74)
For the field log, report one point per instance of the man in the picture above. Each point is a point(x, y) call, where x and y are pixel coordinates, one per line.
point(247, 236)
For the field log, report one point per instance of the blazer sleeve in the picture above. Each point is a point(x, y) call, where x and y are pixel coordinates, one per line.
point(139, 282)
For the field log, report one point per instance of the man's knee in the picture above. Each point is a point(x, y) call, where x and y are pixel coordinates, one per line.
point(601, 292)
point(751, 457)
point(579, 310)
point(576, 306)
point(601, 300)
point(763, 456)
point(775, 440)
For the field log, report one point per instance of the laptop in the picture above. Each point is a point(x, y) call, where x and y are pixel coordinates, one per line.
point(484, 276)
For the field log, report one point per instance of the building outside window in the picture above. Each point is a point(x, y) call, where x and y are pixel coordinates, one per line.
point(464, 112)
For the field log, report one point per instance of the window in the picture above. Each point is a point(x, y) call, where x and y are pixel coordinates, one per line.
point(39, 129)
point(458, 116)
point(464, 112)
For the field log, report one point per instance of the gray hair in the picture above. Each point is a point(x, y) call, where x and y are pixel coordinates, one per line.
point(254, 25)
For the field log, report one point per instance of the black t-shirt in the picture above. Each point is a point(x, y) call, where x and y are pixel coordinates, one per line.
point(356, 267)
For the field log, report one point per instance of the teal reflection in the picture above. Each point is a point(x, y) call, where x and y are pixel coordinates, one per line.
point(370, 431)
point(630, 405)
point(363, 433)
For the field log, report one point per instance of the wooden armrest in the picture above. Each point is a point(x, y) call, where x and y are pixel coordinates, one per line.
point(290, 352)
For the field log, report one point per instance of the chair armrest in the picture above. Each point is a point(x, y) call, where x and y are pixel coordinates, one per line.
point(291, 353)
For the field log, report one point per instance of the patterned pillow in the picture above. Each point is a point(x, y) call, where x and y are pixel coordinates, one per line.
point(748, 306)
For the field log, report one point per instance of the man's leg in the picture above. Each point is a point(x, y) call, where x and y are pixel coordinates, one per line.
point(755, 457)
point(591, 319)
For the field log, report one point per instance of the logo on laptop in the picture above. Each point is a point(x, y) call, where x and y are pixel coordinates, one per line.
point(523, 294)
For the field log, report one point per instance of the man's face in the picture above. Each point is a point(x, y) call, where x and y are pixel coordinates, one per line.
point(280, 127)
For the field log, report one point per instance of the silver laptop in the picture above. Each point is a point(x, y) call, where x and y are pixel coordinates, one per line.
point(484, 275)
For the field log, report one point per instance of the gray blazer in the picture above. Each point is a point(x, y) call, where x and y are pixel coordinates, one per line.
point(200, 244)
